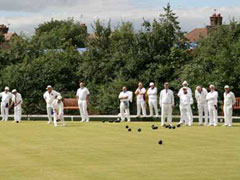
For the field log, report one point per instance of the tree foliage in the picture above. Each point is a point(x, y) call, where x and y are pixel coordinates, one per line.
point(116, 57)
point(216, 59)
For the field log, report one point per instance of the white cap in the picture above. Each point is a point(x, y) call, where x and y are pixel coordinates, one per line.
point(185, 83)
point(49, 86)
point(6, 88)
point(226, 87)
point(14, 90)
point(59, 97)
point(151, 84)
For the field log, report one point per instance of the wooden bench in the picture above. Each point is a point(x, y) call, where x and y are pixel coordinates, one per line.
point(70, 104)
point(235, 107)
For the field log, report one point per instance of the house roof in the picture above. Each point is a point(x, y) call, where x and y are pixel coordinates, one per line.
point(195, 34)
point(8, 36)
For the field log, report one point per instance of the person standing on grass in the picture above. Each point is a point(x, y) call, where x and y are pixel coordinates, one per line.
point(180, 93)
point(17, 105)
point(200, 95)
point(6, 96)
point(212, 98)
point(58, 111)
point(141, 105)
point(83, 101)
point(229, 102)
point(152, 99)
point(124, 98)
point(166, 102)
point(185, 107)
point(49, 97)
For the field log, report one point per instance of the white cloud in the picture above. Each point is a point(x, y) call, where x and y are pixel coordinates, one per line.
point(117, 10)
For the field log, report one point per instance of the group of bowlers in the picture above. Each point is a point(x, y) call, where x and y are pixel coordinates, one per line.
point(54, 104)
point(11, 100)
point(206, 102)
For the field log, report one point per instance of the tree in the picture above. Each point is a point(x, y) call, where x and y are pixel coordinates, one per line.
point(115, 57)
point(59, 34)
point(123, 56)
point(216, 59)
point(31, 78)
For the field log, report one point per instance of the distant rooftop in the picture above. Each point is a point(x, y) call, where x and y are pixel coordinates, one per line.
point(194, 35)
point(4, 30)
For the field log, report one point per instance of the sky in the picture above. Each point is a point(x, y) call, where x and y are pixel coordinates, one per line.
point(25, 15)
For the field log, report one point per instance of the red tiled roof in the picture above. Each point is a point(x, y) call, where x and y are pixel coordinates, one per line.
point(8, 36)
point(195, 34)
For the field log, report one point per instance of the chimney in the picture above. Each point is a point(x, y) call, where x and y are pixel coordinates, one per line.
point(3, 29)
point(216, 20)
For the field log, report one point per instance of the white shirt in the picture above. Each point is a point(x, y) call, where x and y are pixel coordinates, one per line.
point(166, 97)
point(58, 106)
point(82, 93)
point(180, 92)
point(189, 92)
point(49, 97)
point(186, 99)
point(6, 97)
point(229, 99)
point(16, 99)
point(152, 94)
point(201, 96)
point(212, 98)
point(123, 94)
point(140, 97)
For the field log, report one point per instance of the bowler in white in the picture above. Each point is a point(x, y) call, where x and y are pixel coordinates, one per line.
point(124, 97)
point(6, 96)
point(49, 97)
point(200, 95)
point(185, 107)
point(141, 105)
point(17, 104)
point(180, 92)
point(229, 102)
point(83, 101)
point(152, 99)
point(212, 98)
point(166, 102)
point(58, 111)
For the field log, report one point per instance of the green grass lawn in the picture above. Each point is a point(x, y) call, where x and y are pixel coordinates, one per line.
point(107, 151)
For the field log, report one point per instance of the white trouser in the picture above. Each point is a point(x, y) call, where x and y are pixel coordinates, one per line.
point(212, 114)
point(191, 115)
point(166, 112)
point(49, 113)
point(153, 104)
point(228, 110)
point(58, 115)
point(82, 104)
point(141, 105)
point(203, 108)
point(4, 111)
point(124, 111)
point(185, 111)
point(18, 113)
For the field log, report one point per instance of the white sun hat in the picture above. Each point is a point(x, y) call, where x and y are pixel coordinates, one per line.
point(59, 97)
point(49, 86)
point(185, 83)
point(14, 90)
point(151, 84)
